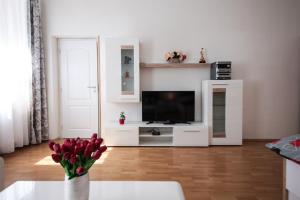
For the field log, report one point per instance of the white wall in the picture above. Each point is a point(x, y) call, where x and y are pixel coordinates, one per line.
point(260, 37)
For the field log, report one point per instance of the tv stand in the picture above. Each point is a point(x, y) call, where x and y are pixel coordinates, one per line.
point(140, 134)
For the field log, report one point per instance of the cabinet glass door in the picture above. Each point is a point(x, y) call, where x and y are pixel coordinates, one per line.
point(127, 69)
point(219, 106)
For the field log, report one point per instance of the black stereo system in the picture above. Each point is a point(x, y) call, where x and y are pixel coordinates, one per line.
point(220, 70)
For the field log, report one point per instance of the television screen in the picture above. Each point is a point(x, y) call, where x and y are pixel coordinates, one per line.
point(172, 106)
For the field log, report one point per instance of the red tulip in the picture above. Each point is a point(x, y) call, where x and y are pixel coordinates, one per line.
point(67, 141)
point(80, 170)
point(56, 148)
point(94, 136)
point(65, 147)
point(67, 155)
point(73, 159)
point(82, 147)
point(77, 149)
point(51, 144)
point(56, 158)
point(98, 142)
point(102, 148)
point(93, 146)
point(97, 155)
point(72, 147)
point(85, 143)
point(88, 150)
point(73, 142)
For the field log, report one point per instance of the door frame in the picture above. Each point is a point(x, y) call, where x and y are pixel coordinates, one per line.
point(54, 85)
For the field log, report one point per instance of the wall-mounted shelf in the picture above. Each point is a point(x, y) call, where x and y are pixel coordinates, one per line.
point(174, 65)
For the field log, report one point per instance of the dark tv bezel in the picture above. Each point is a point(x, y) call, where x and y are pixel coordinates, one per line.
point(194, 112)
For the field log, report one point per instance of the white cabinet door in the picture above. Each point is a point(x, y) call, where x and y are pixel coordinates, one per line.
point(78, 85)
point(121, 58)
point(234, 114)
point(121, 136)
point(190, 136)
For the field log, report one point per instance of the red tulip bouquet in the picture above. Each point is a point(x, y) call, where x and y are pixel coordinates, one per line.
point(77, 156)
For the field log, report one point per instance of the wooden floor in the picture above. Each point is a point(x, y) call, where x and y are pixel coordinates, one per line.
point(250, 172)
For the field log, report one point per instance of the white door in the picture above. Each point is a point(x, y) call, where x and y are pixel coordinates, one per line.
point(79, 87)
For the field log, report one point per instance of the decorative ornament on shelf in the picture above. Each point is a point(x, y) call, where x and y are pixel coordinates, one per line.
point(127, 75)
point(122, 118)
point(202, 59)
point(127, 60)
point(77, 156)
point(175, 57)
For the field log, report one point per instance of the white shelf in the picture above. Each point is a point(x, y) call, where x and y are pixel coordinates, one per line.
point(157, 136)
point(174, 65)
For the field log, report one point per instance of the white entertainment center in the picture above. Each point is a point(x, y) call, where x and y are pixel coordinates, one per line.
point(139, 134)
point(218, 120)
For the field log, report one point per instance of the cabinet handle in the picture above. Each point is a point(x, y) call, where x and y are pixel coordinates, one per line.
point(219, 84)
point(191, 131)
point(129, 98)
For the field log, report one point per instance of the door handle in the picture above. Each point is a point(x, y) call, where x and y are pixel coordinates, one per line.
point(92, 87)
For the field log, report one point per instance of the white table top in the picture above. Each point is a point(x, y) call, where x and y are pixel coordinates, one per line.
point(100, 190)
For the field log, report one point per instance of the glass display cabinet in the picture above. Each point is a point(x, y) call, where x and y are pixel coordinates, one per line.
point(127, 69)
point(223, 111)
point(122, 75)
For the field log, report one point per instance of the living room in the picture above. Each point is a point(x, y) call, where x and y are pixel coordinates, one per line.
point(149, 99)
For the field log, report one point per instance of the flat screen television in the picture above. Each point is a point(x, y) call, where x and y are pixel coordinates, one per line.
point(168, 106)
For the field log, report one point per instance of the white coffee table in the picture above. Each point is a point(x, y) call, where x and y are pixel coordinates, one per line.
point(99, 190)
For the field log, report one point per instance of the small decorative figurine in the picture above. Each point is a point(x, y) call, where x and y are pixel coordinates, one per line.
point(127, 75)
point(122, 118)
point(127, 60)
point(202, 59)
point(175, 57)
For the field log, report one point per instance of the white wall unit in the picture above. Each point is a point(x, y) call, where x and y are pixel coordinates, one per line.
point(121, 62)
point(223, 111)
point(268, 64)
point(137, 134)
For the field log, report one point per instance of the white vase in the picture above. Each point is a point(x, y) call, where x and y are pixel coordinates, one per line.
point(77, 188)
